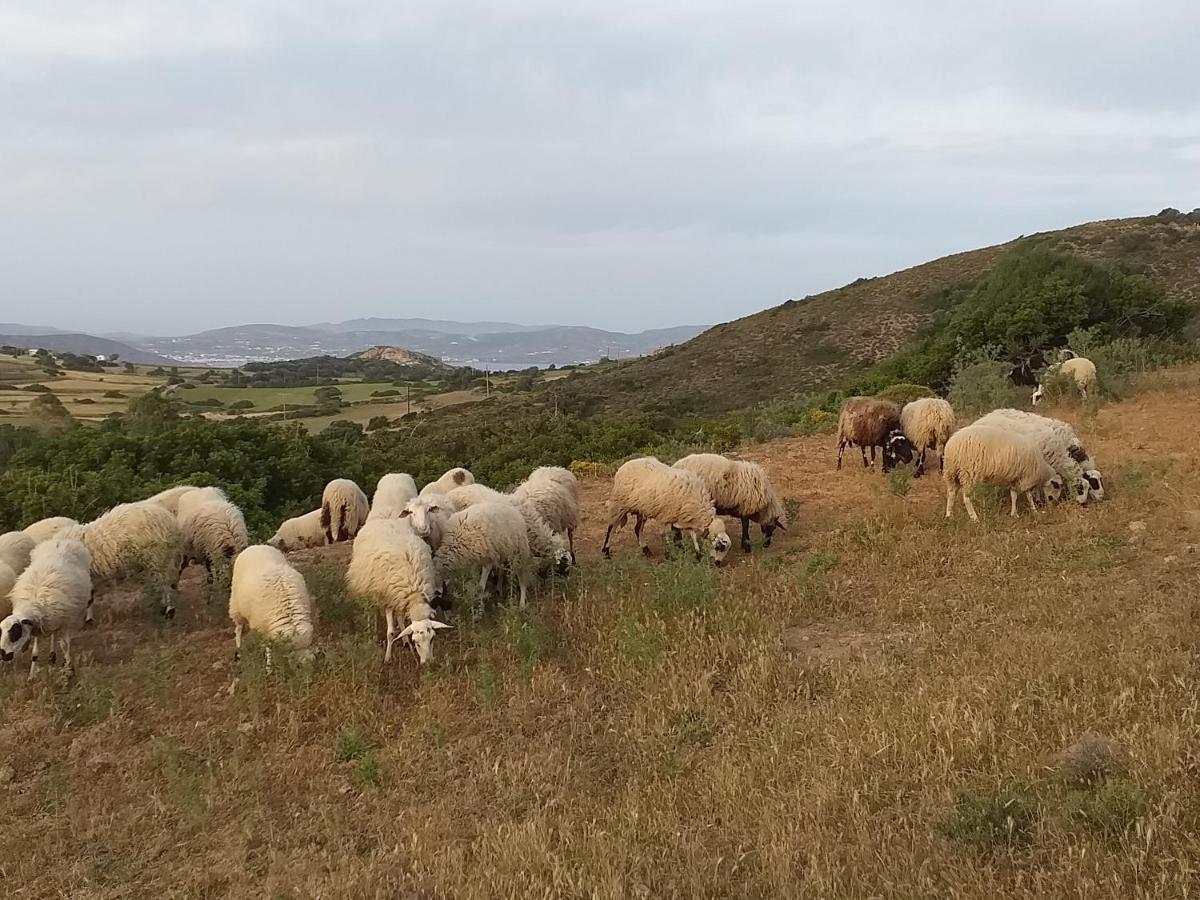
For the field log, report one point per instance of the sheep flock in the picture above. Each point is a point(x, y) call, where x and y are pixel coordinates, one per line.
point(413, 550)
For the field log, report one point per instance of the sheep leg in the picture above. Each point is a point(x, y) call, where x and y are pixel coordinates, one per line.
point(33, 663)
point(88, 618)
point(746, 535)
point(676, 536)
point(919, 469)
point(390, 615)
point(696, 545)
point(483, 580)
point(768, 533)
point(208, 572)
point(523, 577)
point(237, 641)
point(951, 490)
point(841, 450)
point(53, 651)
point(1032, 504)
point(68, 660)
point(1012, 496)
point(639, 522)
point(966, 498)
point(571, 544)
point(863, 451)
point(605, 551)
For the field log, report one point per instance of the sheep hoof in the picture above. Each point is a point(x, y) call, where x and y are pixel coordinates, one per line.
point(168, 612)
point(746, 547)
point(646, 551)
point(606, 553)
point(53, 657)
point(89, 623)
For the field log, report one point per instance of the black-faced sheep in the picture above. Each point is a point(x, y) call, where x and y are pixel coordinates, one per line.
point(869, 422)
point(742, 489)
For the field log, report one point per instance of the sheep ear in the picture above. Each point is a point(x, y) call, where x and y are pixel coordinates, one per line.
point(434, 508)
point(436, 624)
point(780, 525)
point(407, 631)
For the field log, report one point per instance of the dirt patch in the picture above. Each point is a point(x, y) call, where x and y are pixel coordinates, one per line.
point(823, 643)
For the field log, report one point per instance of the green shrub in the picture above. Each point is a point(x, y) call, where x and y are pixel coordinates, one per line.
point(990, 820)
point(1110, 807)
point(983, 385)
point(904, 393)
point(114, 395)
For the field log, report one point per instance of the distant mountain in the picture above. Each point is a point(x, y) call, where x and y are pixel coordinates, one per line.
point(87, 344)
point(496, 345)
point(14, 328)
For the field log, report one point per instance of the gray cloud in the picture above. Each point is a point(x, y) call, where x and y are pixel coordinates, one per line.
point(166, 165)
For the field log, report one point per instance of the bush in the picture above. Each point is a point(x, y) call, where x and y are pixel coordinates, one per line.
point(377, 422)
point(904, 393)
point(114, 395)
point(981, 386)
point(36, 389)
point(388, 392)
point(985, 820)
point(241, 404)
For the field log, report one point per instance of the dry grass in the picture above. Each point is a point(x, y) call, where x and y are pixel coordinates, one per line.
point(878, 706)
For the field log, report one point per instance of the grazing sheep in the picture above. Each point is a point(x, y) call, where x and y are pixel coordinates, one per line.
point(170, 497)
point(7, 579)
point(267, 595)
point(742, 489)
point(1060, 447)
point(50, 598)
point(44, 529)
point(393, 491)
point(490, 535)
point(428, 517)
point(213, 530)
point(979, 453)
point(344, 509)
point(1080, 368)
point(544, 543)
point(393, 568)
point(554, 493)
point(134, 538)
point(927, 423)
point(448, 482)
point(869, 422)
point(649, 489)
point(15, 548)
point(299, 533)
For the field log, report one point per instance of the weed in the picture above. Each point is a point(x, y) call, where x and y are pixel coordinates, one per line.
point(351, 744)
point(899, 481)
point(366, 770)
point(1110, 807)
point(640, 644)
point(682, 583)
point(84, 700)
point(488, 688)
point(691, 728)
point(184, 773)
point(818, 564)
point(990, 820)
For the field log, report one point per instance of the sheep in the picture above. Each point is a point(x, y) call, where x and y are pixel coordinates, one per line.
point(44, 529)
point(392, 567)
point(649, 489)
point(1080, 368)
point(393, 491)
point(739, 488)
point(869, 422)
point(928, 423)
point(134, 538)
point(267, 595)
point(299, 533)
point(344, 509)
point(544, 543)
point(981, 453)
point(213, 530)
point(7, 579)
point(1060, 446)
point(50, 598)
point(428, 517)
point(448, 482)
point(15, 548)
point(169, 498)
point(554, 493)
point(490, 535)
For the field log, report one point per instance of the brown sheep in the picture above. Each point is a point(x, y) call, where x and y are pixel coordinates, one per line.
point(868, 422)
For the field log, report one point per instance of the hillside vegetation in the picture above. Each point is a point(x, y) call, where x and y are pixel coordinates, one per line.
point(803, 346)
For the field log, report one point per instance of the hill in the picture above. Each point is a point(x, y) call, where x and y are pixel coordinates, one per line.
point(85, 344)
point(816, 342)
point(397, 355)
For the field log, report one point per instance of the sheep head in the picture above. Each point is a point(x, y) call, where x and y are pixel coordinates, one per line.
point(1095, 483)
point(719, 540)
point(420, 633)
point(422, 514)
point(14, 635)
point(896, 449)
point(1053, 488)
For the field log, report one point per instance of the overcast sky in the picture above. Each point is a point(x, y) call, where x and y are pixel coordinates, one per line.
point(168, 166)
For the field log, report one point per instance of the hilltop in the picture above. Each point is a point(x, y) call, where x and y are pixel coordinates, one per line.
point(816, 342)
point(397, 355)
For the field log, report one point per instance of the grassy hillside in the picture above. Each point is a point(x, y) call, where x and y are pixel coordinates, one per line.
point(885, 704)
point(815, 343)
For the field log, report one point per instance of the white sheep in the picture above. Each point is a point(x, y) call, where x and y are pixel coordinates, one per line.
point(267, 595)
point(554, 493)
point(448, 482)
point(393, 491)
point(299, 533)
point(544, 543)
point(213, 530)
point(344, 509)
point(44, 529)
point(928, 423)
point(15, 549)
point(981, 454)
point(490, 535)
point(1060, 447)
point(170, 497)
point(1080, 368)
point(739, 488)
point(428, 517)
point(649, 489)
point(131, 539)
point(7, 579)
point(393, 568)
point(51, 599)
